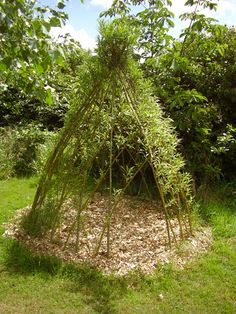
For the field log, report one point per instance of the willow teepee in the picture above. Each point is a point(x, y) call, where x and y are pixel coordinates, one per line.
point(116, 116)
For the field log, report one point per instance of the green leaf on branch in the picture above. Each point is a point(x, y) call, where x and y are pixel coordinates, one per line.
point(55, 22)
point(61, 5)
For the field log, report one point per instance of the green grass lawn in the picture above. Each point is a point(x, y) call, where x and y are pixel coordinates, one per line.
point(30, 284)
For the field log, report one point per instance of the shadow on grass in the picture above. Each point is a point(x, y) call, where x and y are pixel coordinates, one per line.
point(19, 259)
point(97, 290)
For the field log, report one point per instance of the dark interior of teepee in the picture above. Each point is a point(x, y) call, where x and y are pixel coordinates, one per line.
point(116, 138)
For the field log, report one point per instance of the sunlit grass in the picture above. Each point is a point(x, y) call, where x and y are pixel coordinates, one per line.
point(14, 194)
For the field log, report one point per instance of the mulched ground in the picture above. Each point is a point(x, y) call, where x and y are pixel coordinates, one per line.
point(138, 237)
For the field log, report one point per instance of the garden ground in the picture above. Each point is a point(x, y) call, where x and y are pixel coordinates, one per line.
point(30, 284)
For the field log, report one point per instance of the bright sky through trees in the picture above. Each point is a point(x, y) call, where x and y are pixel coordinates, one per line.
point(82, 23)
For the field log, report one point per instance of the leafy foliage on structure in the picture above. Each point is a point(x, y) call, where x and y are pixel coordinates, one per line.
point(116, 116)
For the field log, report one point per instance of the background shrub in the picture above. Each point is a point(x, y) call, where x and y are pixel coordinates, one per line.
point(6, 152)
point(19, 150)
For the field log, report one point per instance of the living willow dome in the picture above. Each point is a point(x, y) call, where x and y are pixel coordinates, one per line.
point(115, 135)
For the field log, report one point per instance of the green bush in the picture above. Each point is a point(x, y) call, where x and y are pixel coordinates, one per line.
point(6, 153)
point(19, 150)
point(43, 150)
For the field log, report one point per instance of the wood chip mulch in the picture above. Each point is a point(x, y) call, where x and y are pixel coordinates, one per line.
point(138, 237)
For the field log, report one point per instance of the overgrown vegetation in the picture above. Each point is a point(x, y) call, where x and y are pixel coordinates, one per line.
point(23, 150)
point(192, 76)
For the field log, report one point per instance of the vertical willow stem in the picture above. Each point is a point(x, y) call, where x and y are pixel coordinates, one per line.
point(168, 226)
point(79, 210)
point(188, 210)
point(78, 222)
point(178, 205)
point(110, 177)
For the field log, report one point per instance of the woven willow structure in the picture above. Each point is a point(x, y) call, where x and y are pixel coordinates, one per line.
point(114, 116)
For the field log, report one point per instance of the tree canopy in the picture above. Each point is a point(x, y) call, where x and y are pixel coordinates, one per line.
point(192, 76)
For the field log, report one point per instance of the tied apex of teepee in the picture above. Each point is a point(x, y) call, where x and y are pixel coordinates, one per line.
point(115, 44)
